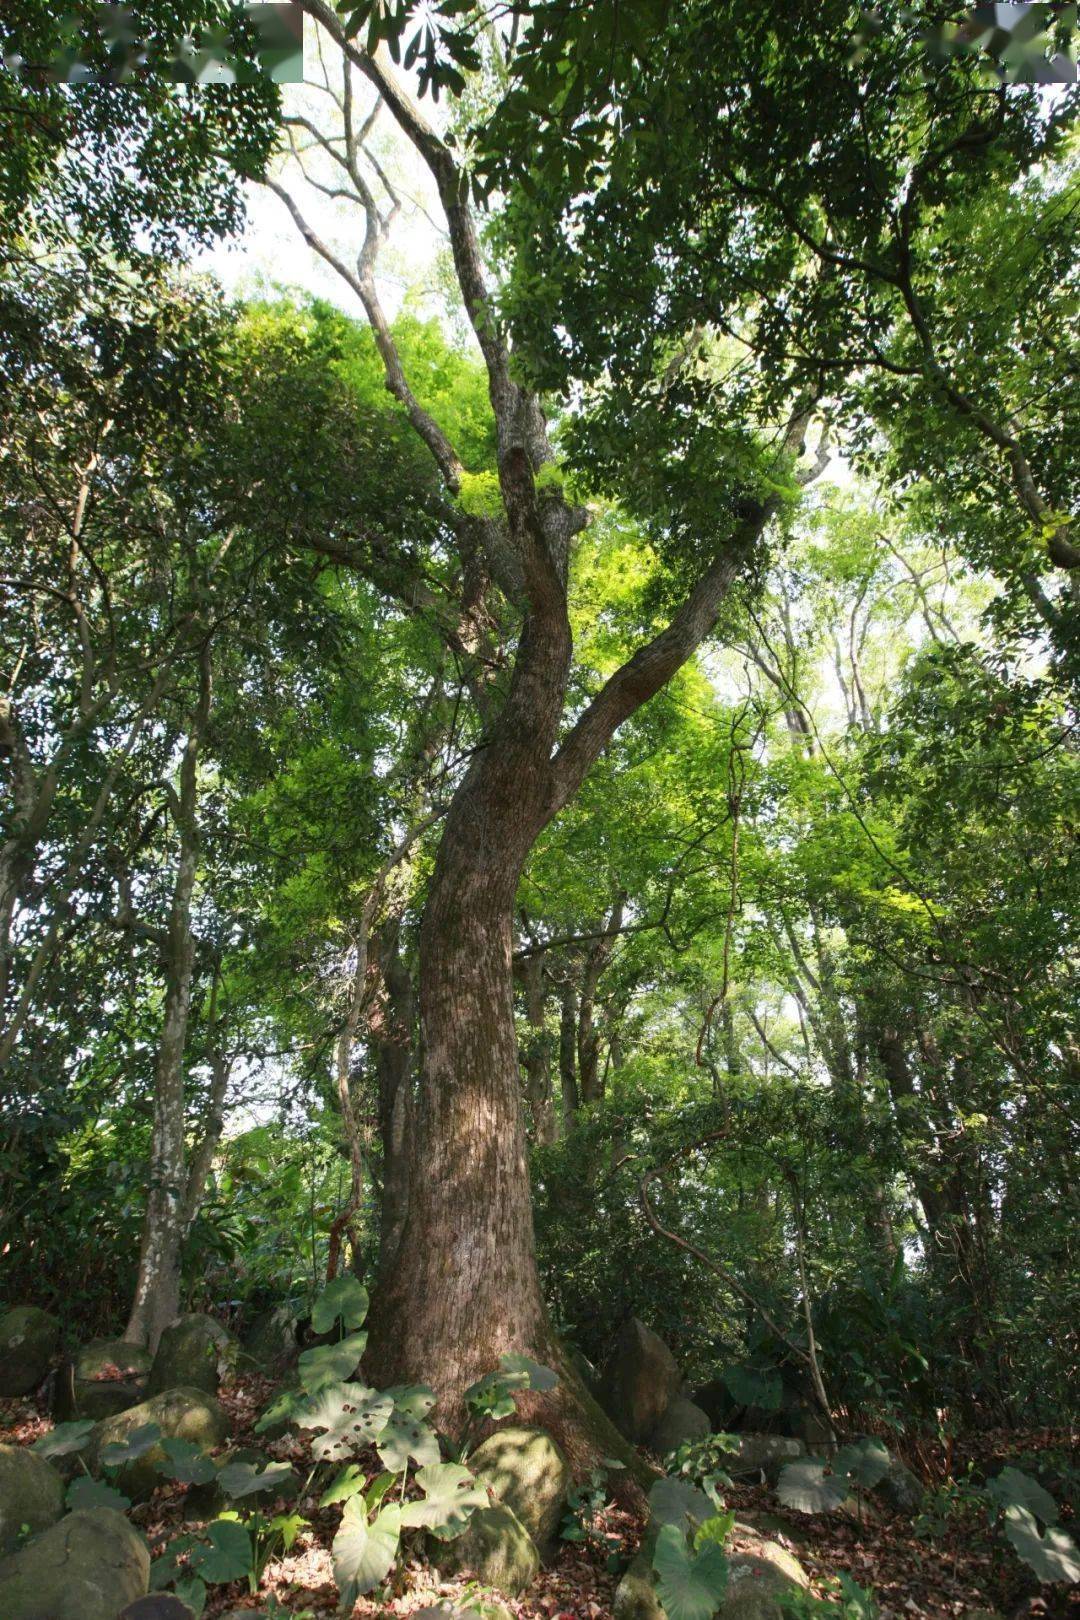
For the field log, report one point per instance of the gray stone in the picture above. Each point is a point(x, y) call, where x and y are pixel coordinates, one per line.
point(526, 1471)
point(271, 1341)
point(180, 1414)
point(636, 1596)
point(681, 1422)
point(195, 1352)
point(900, 1489)
point(638, 1381)
point(157, 1606)
point(496, 1548)
point(31, 1494)
point(28, 1340)
point(103, 1378)
point(89, 1565)
point(762, 1454)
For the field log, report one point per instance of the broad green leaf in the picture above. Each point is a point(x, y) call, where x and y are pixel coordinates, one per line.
point(330, 1363)
point(192, 1591)
point(352, 1415)
point(186, 1463)
point(752, 1388)
point(451, 1495)
point(164, 1570)
point(1053, 1556)
point(677, 1502)
point(137, 1444)
point(62, 1440)
point(533, 1373)
point(344, 1299)
point(716, 1529)
point(378, 1489)
point(364, 1553)
point(90, 1493)
point(414, 1399)
point(405, 1437)
point(691, 1585)
point(805, 1486)
point(244, 1479)
point(348, 1483)
point(288, 1526)
point(865, 1461)
point(492, 1395)
point(228, 1556)
point(1013, 1488)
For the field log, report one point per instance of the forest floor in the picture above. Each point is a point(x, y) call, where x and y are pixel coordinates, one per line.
point(940, 1578)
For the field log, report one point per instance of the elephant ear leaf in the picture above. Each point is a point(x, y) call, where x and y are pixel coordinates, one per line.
point(415, 1399)
point(533, 1374)
point(65, 1438)
point(1053, 1556)
point(330, 1363)
point(805, 1486)
point(691, 1585)
point(345, 1297)
point(84, 1492)
point(865, 1461)
point(228, 1557)
point(186, 1463)
point(244, 1478)
point(352, 1416)
point(451, 1496)
point(364, 1553)
point(1013, 1488)
point(137, 1444)
point(405, 1437)
point(677, 1502)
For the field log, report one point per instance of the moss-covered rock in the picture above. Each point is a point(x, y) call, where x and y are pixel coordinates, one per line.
point(496, 1548)
point(526, 1471)
point(160, 1606)
point(900, 1489)
point(636, 1596)
point(89, 1565)
point(180, 1414)
point(103, 1378)
point(31, 1494)
point(195, 1352)
point(638, 1381)
point(28, 1341)
point(271, 1342)
point(681, 1422)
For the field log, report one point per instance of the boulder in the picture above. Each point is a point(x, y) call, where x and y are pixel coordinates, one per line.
point(105, 1377)
point(28, 1340)
point(195, 1352)
point(180, 1414)
point(31, 1494)
point(638, 1381)
point(526, 1471)
point(159, 1606)
point(900, 1489)
point(681, 1422)
point(762, 1454)
point(89, 1565)
point(271, 1341)
point(636, 1596)
point(496, 1548)
point(584, 1369)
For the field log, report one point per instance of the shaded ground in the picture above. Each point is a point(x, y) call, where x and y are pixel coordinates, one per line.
point(962, 1568)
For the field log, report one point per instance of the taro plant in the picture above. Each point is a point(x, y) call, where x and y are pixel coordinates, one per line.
point(583, 1520)
point(688, 1560)
point(1020, 1505)
point(701, 1461)
point(70, 1439)
point(847, 1600)
point(817, 1485)
point(232, 1548)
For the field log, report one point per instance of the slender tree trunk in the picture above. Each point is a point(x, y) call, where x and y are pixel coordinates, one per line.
point(568, 1080)
point(392, 1039)
point(537, 1055)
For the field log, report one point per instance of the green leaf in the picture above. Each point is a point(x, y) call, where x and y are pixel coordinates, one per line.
point(282, 1409)
point(451, 1495)
point(716, 1529)
point(752, 1388)
point(378, 1489)
point(1013, 1488)
point(137, 1444)
point(1053, 1556)
point(330, 1363)
point(677, 1502)
point(228, 1556)
point(691, 1585)
point(532, 1373)
point(62, 1440)
point(405, 1437)
point(491, 1396)
point(805, 1486)
point(347, 1484)
point(865, 1461)
point(288, 1526)
point(166, 1569)
point(415, 1399)
point(352, 1415)
point(244, 1479)
point(90, 1493)
point(344, 1299)
point(364, 1553)
point(187, 1464)
point(192, 1591)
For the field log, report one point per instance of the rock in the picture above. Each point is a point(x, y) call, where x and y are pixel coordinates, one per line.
point(28, 1339)
point(89, 1565)
point(31, 1494)
point(195, 1352)
point(584, 1369)
point(526, 1471)
point(180, 1414)
point(763, 1454)
point(900, 1489)
point(681, 1422)
point(103, 1378)
point(271, 1342)
point(760, 1573)
point(638, 1381)
point(496, 1548)
point(160, 1606)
